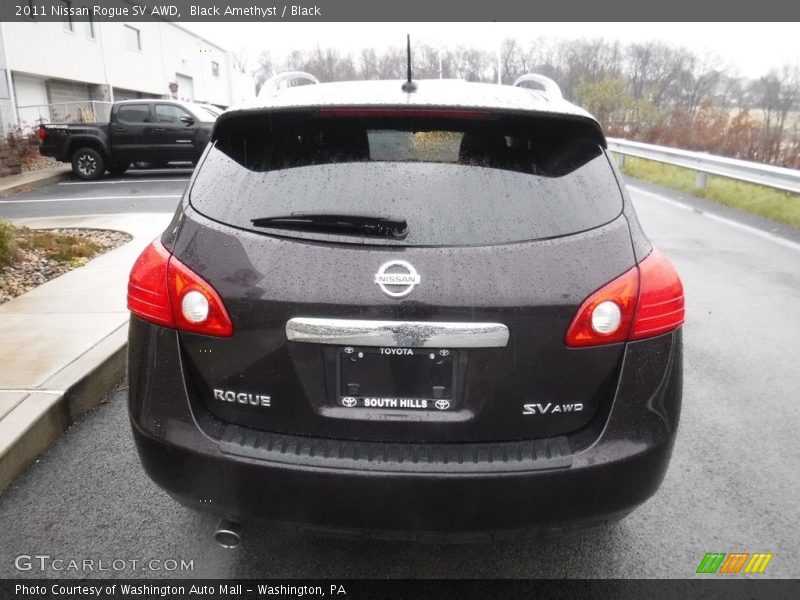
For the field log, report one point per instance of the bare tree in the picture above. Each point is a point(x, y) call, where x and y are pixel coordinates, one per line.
point(514, 60)
point(776, 94)
point(393, 64)
point(696, 83)
point(239, 63)
point(653, 70)
point(543, 57)
point(370, 64)
point(327, 64)
point(471, 64)
point(264, 69)
point(731, 91)
point(587, 61)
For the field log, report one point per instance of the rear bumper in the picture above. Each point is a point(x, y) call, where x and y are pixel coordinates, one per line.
point(597, 474)
point(389, 505)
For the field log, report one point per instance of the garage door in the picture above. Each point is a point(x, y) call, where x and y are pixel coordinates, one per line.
point(32, 102)
point(185, 87)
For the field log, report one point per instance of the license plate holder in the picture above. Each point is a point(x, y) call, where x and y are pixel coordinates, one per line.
point(396, 378)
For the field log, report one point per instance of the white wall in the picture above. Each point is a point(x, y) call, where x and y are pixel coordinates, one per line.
point(244, 87)
point(45, 49)
point(190, 56)
point(182, 61)
point(141, 70)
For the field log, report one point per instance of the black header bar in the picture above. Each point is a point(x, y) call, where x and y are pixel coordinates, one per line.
point(710, 588)
point(273, 11)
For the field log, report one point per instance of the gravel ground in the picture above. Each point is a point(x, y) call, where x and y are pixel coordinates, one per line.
point(40, 162)
point(33, 267)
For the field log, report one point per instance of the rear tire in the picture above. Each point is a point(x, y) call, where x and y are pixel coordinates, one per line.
point(117, 169)
point(88, 164)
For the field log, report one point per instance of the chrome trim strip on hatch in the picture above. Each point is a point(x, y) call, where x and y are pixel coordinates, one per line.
point(401, 334)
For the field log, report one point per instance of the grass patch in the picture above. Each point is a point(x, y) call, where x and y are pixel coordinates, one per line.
point(71, 249)
point(783, 207)
point(8, 243)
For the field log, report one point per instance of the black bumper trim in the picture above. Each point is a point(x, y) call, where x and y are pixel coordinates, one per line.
point(523, 456)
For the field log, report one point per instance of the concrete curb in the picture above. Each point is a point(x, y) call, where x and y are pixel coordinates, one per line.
point(54, 175)
point(65, 342)
point(35, 424)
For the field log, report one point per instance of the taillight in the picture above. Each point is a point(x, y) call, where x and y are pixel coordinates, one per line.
point(643, 302)
point(42, 133)
point(148, 297)
point(586, 329)
point(164, 291)
point(661, 306)
point(196, 305)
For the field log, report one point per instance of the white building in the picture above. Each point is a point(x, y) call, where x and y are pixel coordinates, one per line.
point(55, 71)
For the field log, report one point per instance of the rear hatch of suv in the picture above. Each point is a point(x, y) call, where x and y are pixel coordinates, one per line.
point(401, 274)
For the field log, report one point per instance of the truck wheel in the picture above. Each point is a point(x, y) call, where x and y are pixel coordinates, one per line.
point(88, 163)
point(118, 169)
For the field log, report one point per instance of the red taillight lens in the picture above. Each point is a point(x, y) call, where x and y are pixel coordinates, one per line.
point(623, 291)
point(661, 304)
point(181, 280)
point(42, 133)
point(650, 301)
point(148, 297)
point(157, 292)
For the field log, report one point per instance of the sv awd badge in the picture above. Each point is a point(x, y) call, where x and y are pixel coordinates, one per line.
point(550, 408)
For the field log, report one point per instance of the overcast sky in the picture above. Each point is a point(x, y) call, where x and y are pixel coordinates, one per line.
point(750, 49)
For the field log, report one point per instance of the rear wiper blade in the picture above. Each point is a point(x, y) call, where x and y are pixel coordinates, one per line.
point(329, 222)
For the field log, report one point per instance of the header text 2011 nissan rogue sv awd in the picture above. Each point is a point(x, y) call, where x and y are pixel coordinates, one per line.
point(406, 313)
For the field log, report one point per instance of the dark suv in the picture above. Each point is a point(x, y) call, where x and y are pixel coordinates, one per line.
point(397, 313)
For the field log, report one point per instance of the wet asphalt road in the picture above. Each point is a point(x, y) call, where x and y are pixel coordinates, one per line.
point(137, 191)
point(733, 484)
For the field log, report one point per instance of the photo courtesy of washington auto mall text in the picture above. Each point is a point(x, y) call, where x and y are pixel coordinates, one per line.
point(399, 300)
point(167, 590)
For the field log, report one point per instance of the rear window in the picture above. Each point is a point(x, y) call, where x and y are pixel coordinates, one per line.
point(457, 180)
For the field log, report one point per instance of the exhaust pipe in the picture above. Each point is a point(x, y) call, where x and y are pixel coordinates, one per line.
point(228, 533)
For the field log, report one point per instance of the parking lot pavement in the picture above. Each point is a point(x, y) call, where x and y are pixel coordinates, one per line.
point(145, 191)
point(29, 180)
point(732, 485)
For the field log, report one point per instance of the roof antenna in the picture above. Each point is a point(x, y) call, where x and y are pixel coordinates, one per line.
point(409, 86)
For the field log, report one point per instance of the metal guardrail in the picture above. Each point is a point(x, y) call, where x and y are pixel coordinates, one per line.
point(704, 164)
